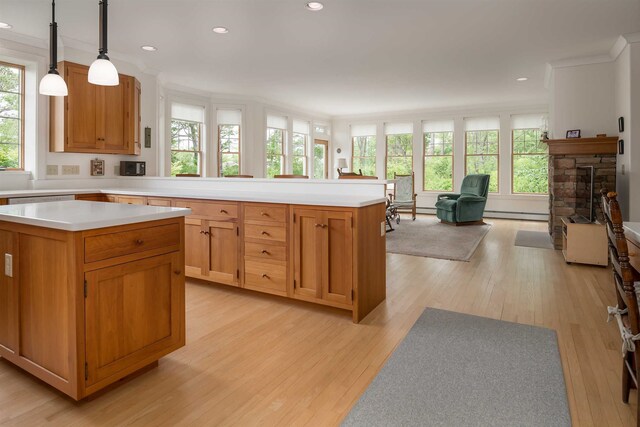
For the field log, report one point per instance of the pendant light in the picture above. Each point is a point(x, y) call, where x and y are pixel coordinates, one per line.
point(102, 72)
point(52, 84)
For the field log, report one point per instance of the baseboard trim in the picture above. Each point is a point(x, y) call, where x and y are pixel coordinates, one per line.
point(498, 214)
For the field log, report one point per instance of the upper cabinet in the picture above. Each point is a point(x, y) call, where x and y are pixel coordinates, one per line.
point(95, 119)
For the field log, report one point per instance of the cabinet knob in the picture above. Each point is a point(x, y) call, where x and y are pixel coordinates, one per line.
point(265, 276)
point(264, 233)
point(222, 211)
point(177, 272)
point(139, 242)
point(266, 252)
point(321, 225)
point(264, 214)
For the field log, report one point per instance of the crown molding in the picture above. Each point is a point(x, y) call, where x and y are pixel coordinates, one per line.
point(24, 39)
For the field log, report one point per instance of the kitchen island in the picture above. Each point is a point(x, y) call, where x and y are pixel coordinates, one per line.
point(90, 292)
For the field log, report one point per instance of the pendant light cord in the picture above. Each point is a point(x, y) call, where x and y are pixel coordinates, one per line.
point(102, 50)
point(53, 41)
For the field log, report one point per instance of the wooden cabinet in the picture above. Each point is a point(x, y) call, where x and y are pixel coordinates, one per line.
point(323, 256)
point(97, 197)
point(85, 309)
point(129, 200)
point(3, 202)
point(158, 201)
point(95, 119)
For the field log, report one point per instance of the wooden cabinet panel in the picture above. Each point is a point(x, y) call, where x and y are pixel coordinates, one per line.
point(265, 213)
point(212, 210)
point(111, 123)
point(131, 200)
point(277, 233)
point(265, 251)
point(81, 111)
point(307, 242)
point(133, 311)
point(137, 96)
point(154, 201)
point(337, 279)
point(194, 251)
point(92, 197)
point(3, 202)
point(8, 296)
point(222, 252)
point(265, 277)
point(111, 245)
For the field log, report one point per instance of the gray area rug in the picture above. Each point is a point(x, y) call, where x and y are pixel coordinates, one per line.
point(427, 237)
point(533, 239)
point(454, 369)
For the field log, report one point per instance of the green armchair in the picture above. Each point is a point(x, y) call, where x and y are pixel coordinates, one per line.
point(467, 207)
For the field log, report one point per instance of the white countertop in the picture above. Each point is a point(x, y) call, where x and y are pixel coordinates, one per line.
point(632, 230)
point(76, 215)
point(353, 201)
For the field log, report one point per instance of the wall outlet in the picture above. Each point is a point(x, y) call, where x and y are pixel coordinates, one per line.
point(8, 265)
point(52, 169)
point(116, 170)
point(383, 228)
point(70, 169)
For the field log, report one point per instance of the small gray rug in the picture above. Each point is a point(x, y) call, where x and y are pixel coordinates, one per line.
point(454, 369)
point(533, 239)
point(427, 237)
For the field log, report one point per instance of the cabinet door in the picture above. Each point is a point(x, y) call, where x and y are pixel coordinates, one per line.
point(193, 246)
point(81, 114)
point(8, 296)
point(137, 94)
point(337, 251)
point(111, 118)
point(307, 260)
point(133, 312)
point(222, 252)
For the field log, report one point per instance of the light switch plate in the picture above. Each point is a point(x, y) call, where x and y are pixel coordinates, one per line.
point(383, 228)
point(8, 265)
point(70, 169)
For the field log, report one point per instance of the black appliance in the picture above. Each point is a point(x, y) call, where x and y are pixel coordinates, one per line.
point(132, 168)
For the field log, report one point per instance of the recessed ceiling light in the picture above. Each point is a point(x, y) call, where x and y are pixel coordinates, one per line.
point(522, 79)
point(220, 30)
point(5, 26)
point(314, 6)
point(149, 48)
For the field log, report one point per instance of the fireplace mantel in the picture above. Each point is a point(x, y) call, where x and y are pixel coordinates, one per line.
point(579, 146)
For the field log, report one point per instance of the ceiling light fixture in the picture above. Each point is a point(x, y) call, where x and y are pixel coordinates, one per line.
point(314, 6)
point(220, 30)
point(149, 48)
point(522, 79)
point(102, 72)
point(52, 84)
point(5, 26)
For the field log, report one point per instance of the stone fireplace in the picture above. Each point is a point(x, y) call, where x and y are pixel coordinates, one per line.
point(569, 160)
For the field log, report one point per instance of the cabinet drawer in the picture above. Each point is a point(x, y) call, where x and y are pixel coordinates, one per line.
point(105, 246)
point(265, 251)
point(265, 213)
point(153, 201)
point(266, 276)
point(209, 209)
point(276, 233)
point(132, 200)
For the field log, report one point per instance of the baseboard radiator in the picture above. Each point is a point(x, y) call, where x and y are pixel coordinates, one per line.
point(529, 216)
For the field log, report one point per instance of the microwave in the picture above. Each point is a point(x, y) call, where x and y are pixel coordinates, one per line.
point(132, 168)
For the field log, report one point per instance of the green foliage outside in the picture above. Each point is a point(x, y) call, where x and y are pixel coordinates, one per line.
point(364, 155)
point(185, 147)
point(399, 154)
point(229, 162)
point(299, 154)
point(274, 152)
point(319, 165)
point(530, 162)
point(10, 120)
point(482, 155)
point(438, 161)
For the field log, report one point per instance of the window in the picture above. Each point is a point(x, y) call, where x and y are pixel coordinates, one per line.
point(482, 148)
point(320, 159)
point(11, 116)
point(187, 122)
point(276, 134)
point(399, 150)
point(529, 162)
point(229, 122)
point(363, 149)
point(438, 156)
point(300, 141)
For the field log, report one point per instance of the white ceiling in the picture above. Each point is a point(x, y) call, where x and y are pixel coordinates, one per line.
point(353, 57)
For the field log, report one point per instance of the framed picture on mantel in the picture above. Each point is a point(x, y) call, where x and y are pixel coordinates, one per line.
point(573, 134)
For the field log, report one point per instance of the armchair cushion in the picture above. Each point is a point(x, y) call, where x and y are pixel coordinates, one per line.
point(468, 206)
point(450, 196)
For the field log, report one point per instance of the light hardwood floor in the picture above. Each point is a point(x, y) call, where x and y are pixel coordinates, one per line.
point(253, 359)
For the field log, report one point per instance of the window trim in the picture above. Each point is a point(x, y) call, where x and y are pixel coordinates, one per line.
point(424, 159)
point(283, 156)
point(374, 157)
point(199, 152)
point(497, 155)
point(220, 152)
point(324, 142)
point(22, 94)
point(513, 154)
point(305, 156)
point(386, 152)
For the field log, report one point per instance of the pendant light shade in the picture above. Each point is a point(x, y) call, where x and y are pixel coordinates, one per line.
point(52, 84)
point(102, 72)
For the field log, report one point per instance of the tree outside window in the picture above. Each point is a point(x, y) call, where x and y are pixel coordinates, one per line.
point(530, 162)
point(399, 155)
point(185, 147)
point(11, 116)
point(438, 161)
point(299, 154)
point(229, 154)
point(275, 152)
point(481, 155)
point(364, 154)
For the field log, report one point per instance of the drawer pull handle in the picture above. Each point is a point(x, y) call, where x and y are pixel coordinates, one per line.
point(266, 252)
point(265, 276)
point(222, 211)
point(264, 233)
point(321, 225)
point(264, 214)
point(177, 272)
point(139, 242)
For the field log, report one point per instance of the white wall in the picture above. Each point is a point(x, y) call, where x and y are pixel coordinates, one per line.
point(633, 138)
point(623, 109)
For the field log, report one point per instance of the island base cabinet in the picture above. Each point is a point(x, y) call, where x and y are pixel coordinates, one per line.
point(8, 298)
point(132, 312)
